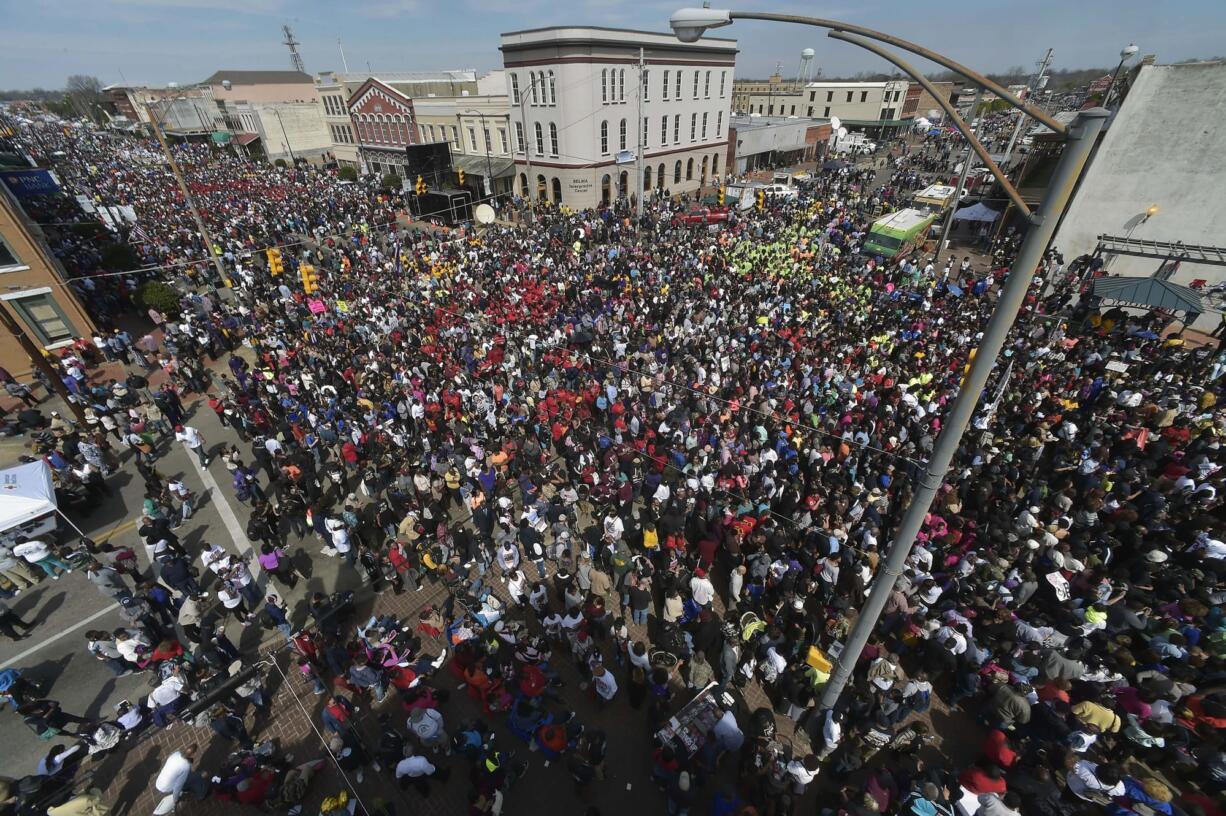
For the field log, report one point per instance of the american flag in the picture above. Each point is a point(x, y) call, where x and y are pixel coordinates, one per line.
point(137, 235)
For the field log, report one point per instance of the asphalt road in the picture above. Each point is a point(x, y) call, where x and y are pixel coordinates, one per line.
point(63, 610)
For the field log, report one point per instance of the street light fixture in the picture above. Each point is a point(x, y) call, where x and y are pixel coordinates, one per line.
point(1079, 137)
point(1126, 53)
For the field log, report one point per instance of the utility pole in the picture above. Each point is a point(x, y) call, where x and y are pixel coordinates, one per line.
point(292, 157)
point(1081, 134)
point(523, 122)
point(187, 195)
point(966, 168)
point(638, 154)
point(1036, 82)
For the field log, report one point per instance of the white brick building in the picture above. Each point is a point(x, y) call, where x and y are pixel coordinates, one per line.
point(574, 100)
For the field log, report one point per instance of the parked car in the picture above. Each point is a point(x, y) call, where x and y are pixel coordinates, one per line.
point(780, 191)
point(702, 215)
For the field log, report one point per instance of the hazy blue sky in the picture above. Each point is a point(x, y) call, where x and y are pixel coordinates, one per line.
point(155, 41)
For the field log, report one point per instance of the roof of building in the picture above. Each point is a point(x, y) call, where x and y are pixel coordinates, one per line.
point(259, 78)
point(1153, 293)
point(609, 30)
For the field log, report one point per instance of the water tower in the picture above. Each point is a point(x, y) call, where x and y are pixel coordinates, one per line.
point(806, 65)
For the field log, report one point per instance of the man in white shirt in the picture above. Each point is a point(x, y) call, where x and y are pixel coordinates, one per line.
point(177, 777)
point(193, 441)
point(38, 553)
point(702, 589)
point(417, 770)
point(605, 685)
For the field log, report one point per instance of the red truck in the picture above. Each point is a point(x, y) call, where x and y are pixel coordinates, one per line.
point(702, 215)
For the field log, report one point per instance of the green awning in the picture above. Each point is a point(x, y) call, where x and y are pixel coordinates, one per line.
point(220, 137)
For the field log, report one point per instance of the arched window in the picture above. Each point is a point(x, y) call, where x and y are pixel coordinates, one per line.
point(677, 172)
point(689, 169)
point(557, 190)
point(660, 176)
point(604, 86)
point(714, 164)
point(647, 177)
point(523, 185)
point(623, 183)
point(606, 189)
point(704, 170)
point(532, 78)
point(696, 84)
point(540, 139)
point(514, 89)
point(604, 138)
point(553, 89)
point(621, 85)
point(706, 86)
point(621, 135)
point(553, 139)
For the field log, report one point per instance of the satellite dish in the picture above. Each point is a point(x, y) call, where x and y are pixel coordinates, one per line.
point(836, 122)
point(842, 132)
point(746, 201)
point(484, 214)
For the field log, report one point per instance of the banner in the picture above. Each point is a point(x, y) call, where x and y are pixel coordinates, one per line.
point(29, 183)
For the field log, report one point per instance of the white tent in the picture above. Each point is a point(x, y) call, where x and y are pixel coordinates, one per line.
point(26, 492)
point(977, 212)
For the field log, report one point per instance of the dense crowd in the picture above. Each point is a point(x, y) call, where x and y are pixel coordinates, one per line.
point(670, 458)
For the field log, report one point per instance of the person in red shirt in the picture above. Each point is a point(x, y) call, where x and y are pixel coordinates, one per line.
point(996, 749)
point(987, 778)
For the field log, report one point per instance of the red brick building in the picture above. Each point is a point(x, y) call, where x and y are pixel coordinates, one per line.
point(384, 124)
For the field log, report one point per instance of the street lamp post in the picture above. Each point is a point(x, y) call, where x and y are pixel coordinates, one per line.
point(187, 194)
point(288, 147)
point(489, 167)
point(1126, 53)
point(689, 25)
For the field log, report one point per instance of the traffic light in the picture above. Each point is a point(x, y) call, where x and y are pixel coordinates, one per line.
point(310, 281)
point(459, 174)
point(420, 188)
point(721, 196)
point(761, 199)
point(275, 265)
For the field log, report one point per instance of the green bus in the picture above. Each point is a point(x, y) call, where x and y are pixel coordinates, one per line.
point(898, 233)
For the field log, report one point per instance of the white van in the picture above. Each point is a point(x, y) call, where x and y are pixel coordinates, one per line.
point(779, 191)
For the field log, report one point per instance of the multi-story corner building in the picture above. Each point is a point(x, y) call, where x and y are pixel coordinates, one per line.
point(34, 290)
point(580, 109)
point(859, 105)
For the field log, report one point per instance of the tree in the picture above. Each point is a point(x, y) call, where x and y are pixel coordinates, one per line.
point(158, 295)
point(84, 93)
point(347, 173)
point(281, 163)
point(391, 182)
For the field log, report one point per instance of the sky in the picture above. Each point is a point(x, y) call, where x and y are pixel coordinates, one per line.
point(152, 42)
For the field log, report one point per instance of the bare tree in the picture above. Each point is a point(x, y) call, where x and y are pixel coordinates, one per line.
point(84, 93)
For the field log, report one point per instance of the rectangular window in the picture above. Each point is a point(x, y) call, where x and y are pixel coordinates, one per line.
point(770, 111)
point(706, 85)
point(646, 85)
point(704, 126)
point(489, 145)
point(519, 137)
point(677, 87)
point(472, 140)
point(863, 96)
point(810, 112)
point(604, 138)
point(812, 94)
point(719, 124)
point(829, 96)
point(665, 94)
point(677, 128)
point(849, 96)
point(455, 137)
point(723, 80)
point(792, 112)
point(621, 85)
point(693, 127)
point(502, 137)
point(664, 130)
point(695, 84)
point(42, 314)
point(826, 114)
point(514, 89)
point(553, 140)
point(645, 137)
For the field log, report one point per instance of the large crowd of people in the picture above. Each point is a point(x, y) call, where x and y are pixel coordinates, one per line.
point(667, 459)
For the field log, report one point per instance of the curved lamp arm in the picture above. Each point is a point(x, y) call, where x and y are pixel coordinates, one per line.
point(956, 67)
point(957, 121)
